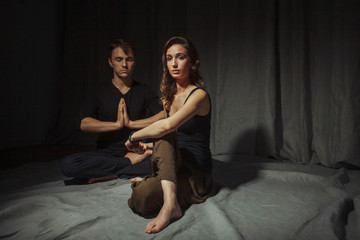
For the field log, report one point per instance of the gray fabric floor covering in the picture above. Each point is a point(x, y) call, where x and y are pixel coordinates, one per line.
point(252, 200)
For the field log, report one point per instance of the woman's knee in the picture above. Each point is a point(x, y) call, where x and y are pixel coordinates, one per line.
point(147, 197)
point(166, 158)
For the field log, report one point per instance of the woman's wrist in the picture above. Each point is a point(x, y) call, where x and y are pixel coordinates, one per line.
point(131, 139)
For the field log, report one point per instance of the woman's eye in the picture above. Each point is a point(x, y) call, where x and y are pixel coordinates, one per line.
point(168, 58)
point(181, 57)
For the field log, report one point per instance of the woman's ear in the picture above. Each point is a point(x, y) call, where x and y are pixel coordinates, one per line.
point(196, 65)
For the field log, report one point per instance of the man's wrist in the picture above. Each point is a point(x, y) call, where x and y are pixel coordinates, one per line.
point(118, 125)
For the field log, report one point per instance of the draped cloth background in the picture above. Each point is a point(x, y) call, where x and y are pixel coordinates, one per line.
point(283, 75)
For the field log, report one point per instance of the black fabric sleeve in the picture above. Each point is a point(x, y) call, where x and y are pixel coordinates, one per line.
point(152, 102)
point(88, 108)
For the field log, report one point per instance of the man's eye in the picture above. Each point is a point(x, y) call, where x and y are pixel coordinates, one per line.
point(130, 59)
point(118, 59)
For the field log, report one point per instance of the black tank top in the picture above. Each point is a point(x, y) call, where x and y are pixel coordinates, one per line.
point(194, 140)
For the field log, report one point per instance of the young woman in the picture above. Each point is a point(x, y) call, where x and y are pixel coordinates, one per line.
point(181, 162)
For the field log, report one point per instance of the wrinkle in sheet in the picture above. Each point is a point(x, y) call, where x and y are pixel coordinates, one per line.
point(75, 230)
point(273, 204)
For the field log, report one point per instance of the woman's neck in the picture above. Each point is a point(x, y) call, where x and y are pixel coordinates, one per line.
point(182, 85)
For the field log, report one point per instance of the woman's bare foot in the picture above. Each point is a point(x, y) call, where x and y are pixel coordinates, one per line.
point(137, 158)
point(162, 220)
point(102, 179)
point(136, 179)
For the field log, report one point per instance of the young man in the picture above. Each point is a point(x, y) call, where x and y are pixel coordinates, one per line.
point(103, 113)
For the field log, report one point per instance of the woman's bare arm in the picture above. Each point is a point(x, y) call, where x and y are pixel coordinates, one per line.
point(198, 103)
point(138, 124)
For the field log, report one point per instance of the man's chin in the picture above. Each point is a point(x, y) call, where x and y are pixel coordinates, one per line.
point(123, 75)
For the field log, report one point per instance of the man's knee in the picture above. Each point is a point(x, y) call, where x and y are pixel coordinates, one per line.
point(68, 166)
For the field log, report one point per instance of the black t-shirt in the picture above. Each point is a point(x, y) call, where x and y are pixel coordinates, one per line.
point(102, 104)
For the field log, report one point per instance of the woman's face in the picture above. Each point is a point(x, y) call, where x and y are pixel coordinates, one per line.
point(178, 62)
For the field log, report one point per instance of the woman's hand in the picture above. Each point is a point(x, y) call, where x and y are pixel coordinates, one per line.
point(138, 147)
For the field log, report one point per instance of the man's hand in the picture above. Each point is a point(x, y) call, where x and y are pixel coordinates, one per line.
point(127, 120)
point(120, 116)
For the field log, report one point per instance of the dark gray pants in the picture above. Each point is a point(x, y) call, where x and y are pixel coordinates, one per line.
point(99, 163)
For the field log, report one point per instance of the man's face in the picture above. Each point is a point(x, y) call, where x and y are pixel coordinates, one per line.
point(122, 64)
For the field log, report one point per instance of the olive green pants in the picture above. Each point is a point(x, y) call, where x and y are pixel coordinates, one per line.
point(193, 185)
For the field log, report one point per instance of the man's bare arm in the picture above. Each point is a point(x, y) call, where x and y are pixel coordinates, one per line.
point(93, 125)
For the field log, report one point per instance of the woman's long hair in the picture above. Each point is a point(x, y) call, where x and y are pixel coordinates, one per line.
point(168, 83)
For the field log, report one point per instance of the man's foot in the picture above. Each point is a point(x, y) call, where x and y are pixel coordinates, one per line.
point(136, 179)
point(162, 220)
point(76, 181)
point(102, 179)
point(137, 158)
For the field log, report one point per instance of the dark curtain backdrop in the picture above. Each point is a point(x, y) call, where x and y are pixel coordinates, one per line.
point(283, 75)
point(31, 65)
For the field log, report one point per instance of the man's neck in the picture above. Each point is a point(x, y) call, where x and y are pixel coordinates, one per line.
point(122, 84)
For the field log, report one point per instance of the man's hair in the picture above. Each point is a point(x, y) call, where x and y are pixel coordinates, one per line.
point(125, 45)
